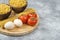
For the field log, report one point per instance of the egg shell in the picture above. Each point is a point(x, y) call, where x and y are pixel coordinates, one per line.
point(18, 22)
point(9, 25)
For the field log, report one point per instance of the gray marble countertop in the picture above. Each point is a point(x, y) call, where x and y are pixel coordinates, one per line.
point(49, 26)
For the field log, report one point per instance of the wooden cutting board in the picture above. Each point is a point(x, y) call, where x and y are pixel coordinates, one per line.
point(17, 31)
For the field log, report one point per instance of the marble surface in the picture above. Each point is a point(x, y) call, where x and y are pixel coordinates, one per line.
point(49, 25)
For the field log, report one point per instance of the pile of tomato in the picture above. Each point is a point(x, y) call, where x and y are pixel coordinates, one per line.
point(30, 18)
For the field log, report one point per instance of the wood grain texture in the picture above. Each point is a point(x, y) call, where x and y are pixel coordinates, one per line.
point(17, 31)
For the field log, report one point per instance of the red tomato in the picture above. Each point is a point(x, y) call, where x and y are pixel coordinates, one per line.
point(32, 21)
point(24, 18)
point(32, 15)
